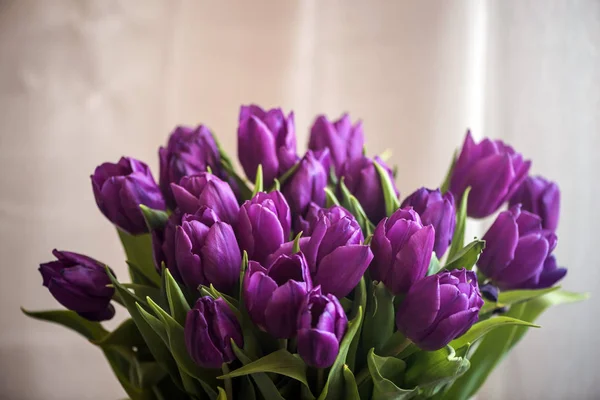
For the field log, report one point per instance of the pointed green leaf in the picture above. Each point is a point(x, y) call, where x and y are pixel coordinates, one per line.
point(264, 384)
point(467, 256)
point(296, 246)
point(156, 324)
point(258, 182)
point(458, 239)
point(288, 174)
point(434, 265)
point(350, 203)
point(155, 219)
point(389, 193)
point(177, 303)
point(360, 302)
point(142, 291)
point(350, 388)
point(434, 369)
point(227, 165)
point(331, 199)
point(222, 395)
point(380, 317)
point(387, 374)
point(481, 328)
point(506, 298)
point(276, 186)
point(127, 334)
point(138, 249)
point(70, 319)
point(446, 184)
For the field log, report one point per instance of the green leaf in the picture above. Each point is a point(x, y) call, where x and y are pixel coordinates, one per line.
point(387, 374)
point(433, 369)
point(446, 184)
point(154, 323)
point(296, 247)
point(258, 182)
point(177, 303)
point(143, 291)
point(389, 193)
point(350, 388)
point(121, 368)
point(434, 265)
point(264, 384)
point(288, 174)
point(227, 165)
point(334, 387)
point(458, 239)
point(70, 319)
point(281, 362)
point(331, 199)
point(515, 296)
point(137, 276)
point(276, 187)
point(138, 249)
point(467, 256)
point(360, 302)
point(481, 328)
point(127, 334)
point(350, 203)
point(215, 294)
point(248, 389)
point(155, 219)
point(222, 395)
point(380, 317)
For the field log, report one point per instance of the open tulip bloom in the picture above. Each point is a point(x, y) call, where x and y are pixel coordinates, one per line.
point(309, 277)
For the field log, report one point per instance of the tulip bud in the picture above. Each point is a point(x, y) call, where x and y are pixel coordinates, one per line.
point(206, 252)
point(163, 245)
point(439, 308)
point(308, 182)
point(344, 141)
point(189, 151)
point(516, 250)
point(80, 284)
point(266, 138)
point(492, 169)
point(362, 179)
point(402, 249)
point(322, 324)
point(206, 189)
point(263, 225)
point(209, 328)
point(437, 210)
point(541, 197)
point(119, 190)
point(307, 224)
point(274, 296)
point(335, 256)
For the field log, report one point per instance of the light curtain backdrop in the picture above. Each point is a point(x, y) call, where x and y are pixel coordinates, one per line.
point(82, 82)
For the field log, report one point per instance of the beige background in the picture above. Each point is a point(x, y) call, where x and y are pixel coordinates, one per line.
point(82, 82)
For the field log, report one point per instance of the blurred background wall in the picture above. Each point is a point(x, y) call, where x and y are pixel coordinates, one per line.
point(82, 82)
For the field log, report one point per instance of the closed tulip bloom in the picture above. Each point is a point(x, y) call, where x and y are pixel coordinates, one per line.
point(264, 223)
point(344, 140)
point(274, 296)
point(209, 328)
point(163, 245)
point(308, 223)
point(206, 251)
point(402, 249)
point(541, 197)
point(267, 138)
point(435, 209)
point(119, 190)
point(440, 308)
point(362, 179)
point(308, 182)
point(79, 283)
point(206, 189)
point(322, 324)
point(516, 251)
point(189, 151)
point(492, 169)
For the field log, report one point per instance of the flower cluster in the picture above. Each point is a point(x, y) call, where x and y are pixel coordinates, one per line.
point(320, 244)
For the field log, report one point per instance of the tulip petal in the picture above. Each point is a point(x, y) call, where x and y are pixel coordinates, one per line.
point(318, 349)
point(199, 343)
point(448, 329)
point(530, 255)
point(382, 253)
point(420, 307)
point(282, 310)
point(412, 261)
point(340, 271)
point(221, 257)
point(501, 242)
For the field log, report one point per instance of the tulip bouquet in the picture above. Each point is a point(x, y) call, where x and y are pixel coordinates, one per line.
point(310, 278)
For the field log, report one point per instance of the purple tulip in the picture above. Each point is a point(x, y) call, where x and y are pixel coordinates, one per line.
point(402, 249)
point(517, 251)
point(492, 169)
point(80, 284)
point(308, 182)
point(206, 252)
point(274, 296)
point(437, 210)
point(206, 189)
point(362, 179)
point(209, 328)
point(439, 308)
point(322, 324)
point(163, 245)
point(307, 224)
point(119, 190)
point(189, 151)
point(541, 197)
point(267, 138)
point(264, 223)
point(335, 255)
point(344, 141)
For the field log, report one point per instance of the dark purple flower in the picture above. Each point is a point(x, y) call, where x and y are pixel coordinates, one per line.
point(264, 223)
point(344, 141)
point(79, 283)
point(189, 151)
point(362, 179)
point(492, 169)
point(206, 251)
point(206, 189)
point(119, 190)
point(163, 245)
point(209, 328)
point(541, 197)
point(267, 138)
point(307, 224)
point(335, 255)
point(402, 249)
point(322, 324)
point(516, 252)
point(439, 308)
point(274, 296)
point(308, 183)
point(438, 210)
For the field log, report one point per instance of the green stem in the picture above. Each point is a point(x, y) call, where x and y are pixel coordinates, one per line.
point(283, 343)
point(400, 348)
point(362, 376)
point(320, 379)
point(227, 381)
